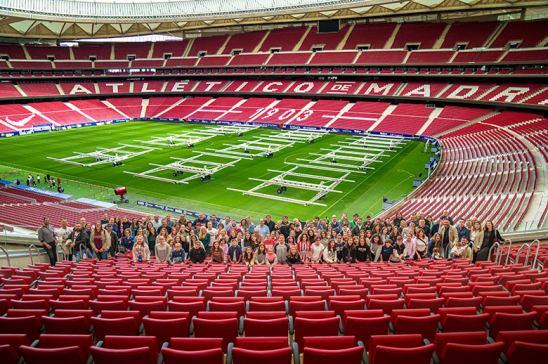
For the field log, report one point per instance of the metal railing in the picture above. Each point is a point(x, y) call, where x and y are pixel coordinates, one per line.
point(525, 245)
point(31, 255)
point(498, 252)
point(509, 243)
point(7, 255)
point(537, 242)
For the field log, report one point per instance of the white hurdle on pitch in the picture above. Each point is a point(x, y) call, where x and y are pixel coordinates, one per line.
point(268, 144)
point(322, 188)
point(190, 168)
point(190, 137)
point(114, 155)
point(351, 150)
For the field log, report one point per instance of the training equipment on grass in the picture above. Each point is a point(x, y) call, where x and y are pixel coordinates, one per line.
point(115, 155)
point(267, 144)
point(356, 154)
point(198, 166)
point(191, 137)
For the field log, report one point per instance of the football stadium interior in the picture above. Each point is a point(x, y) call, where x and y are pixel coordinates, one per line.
point(276, 181)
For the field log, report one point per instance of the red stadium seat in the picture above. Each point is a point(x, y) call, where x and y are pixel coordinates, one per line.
point(305, 306)
point(427, 326)
point(165, 329)
point(364, 327)
point(238, 307)
point(530, 336)
point(67, 354)
point(66, 325)
point(315, 327)
point(433, 304)
point(84, 342)
point(135, 315)
point(501, 301)
point(266, 327)
point(261, 343)
point(206, 356)
point(22, 312)
point(132, 342)
point(315, 314)
point(99, 306)
point(114, 326)
point(121, 356)
point(9, 347)
point(413, 312)
point(352, 355)
point(511, 321)
point(454, 353)
point(195, 343)
point(340, 306)
point(272, 356)
point(416, 355)
point(191, 307)
point(528, 301)
point(472, 338)
point(211, 328)
point(330, 342)
point(463, 302)
point(266, 306)
point(28, 325)
point(267, 315)
point(145, 307)
point(400, 341)
point(8, 354)
point(386, 305)
point(456, 323)
point(525, 352)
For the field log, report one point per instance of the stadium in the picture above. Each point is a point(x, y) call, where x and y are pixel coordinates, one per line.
point(291, 181)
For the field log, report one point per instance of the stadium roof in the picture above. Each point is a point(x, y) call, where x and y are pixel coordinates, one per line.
point(73, 19)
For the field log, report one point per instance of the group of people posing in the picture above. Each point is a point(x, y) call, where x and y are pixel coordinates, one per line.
point(225, 240)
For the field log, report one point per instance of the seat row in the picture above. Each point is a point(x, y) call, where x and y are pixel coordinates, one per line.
point(515, 347)
point(358, 322)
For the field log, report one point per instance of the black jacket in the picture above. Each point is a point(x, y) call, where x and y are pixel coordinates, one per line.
point(81, 240)
point(349, 254)
point(483, 253)
point(197, 255)
point(363, 253)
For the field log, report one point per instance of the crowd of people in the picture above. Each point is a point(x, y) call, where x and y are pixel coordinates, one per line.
point(339, 239)
point(50, 182)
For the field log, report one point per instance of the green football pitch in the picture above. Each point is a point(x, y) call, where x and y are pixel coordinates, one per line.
point(392, 178)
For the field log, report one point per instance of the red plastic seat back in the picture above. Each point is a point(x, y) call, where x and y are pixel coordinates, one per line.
point(318, 356)
point(121, 356)
point(525, 352)
point(415, 355)
point(207, 356)
point(68, 354)
point(272, 356)
point(457, 353)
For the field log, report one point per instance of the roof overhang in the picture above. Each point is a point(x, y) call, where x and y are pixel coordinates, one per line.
point(58, 22)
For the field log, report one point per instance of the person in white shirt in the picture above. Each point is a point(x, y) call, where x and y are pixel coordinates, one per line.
point(211, 230)
point(61, 236)
point(330, 253)
point(316, 251)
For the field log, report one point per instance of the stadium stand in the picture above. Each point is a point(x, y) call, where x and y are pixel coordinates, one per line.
point(418, 283)
point(72, 282)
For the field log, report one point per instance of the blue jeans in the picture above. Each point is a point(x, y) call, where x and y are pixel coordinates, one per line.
point(102, 255)
point(52, 254)
point(85, 252)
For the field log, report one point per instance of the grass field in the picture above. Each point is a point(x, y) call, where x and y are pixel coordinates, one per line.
point(28, 154)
